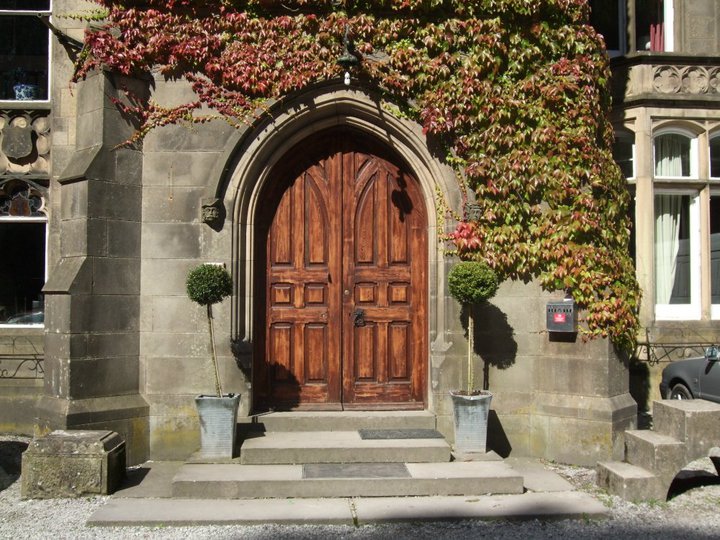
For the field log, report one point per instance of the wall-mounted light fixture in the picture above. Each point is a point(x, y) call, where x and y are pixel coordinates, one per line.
point(348, 60)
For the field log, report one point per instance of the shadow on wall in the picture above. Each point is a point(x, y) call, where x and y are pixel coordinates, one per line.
point(640, 384)
point(279, 392)
point(493, 337)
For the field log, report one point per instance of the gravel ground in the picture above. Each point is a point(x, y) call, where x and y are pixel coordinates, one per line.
point(693, 513)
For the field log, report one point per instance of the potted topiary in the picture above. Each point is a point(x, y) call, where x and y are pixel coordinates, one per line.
point(209, 284)
point(471, 283)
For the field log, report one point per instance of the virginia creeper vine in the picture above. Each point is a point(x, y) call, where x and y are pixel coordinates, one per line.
point(515, 89)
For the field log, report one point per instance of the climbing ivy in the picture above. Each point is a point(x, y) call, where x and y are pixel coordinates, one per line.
point(515, 90)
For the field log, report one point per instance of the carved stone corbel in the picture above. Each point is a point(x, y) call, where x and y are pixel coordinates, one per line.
point(213, 213)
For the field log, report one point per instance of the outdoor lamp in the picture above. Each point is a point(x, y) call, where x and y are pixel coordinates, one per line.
point(348, 60)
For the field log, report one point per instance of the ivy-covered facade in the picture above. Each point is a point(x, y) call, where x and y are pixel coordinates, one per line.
point(230, 134)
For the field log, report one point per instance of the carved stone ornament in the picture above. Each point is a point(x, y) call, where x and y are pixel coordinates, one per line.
point(695, 80)
point(212, 212)
point(667, 80)
point(17, 141)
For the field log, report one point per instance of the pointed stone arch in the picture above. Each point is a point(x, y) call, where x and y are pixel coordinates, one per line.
point(253, 154)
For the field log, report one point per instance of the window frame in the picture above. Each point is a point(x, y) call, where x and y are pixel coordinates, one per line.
point(714, 308)
point(627, 137)
point(43, 219)
point(622, 25)
point(693, 156)
point(693, 310)
point(714, 137)
point(34, 13)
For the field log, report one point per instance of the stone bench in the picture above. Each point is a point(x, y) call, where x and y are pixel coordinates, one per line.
point(73, 463)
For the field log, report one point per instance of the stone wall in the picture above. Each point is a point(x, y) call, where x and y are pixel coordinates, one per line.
point(555, 397)
point(697, 24)
point(175, 353)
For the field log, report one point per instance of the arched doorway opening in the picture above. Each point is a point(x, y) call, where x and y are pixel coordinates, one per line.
point(341, 299)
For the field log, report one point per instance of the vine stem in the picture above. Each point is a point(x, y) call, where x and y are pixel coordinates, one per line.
point(218, 388)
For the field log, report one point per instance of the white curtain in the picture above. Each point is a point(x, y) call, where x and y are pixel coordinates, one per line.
point(667, 243)
point(672, 151)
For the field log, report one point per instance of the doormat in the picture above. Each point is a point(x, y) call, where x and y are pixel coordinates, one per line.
point(355, 470)
point(400, 434)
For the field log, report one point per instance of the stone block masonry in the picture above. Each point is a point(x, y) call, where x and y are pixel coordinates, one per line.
point(73, 463)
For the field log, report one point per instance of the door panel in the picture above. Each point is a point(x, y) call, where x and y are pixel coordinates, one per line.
point(384, 227)
point(344, 299)
point(301, 346)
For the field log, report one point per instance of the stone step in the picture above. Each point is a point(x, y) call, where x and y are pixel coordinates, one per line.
point(630, 482)
point(659, 454)
point(291, 447)
point(692, 421)
point(223, 481)
point(341, 420)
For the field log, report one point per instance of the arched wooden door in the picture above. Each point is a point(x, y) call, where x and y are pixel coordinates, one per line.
point(343, 289)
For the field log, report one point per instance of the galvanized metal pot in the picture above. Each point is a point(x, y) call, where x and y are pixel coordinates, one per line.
point(218, 418)
point(471, 421)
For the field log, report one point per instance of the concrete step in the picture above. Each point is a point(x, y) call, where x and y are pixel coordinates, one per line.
point(341, 420)
point(223, 481)
point(695, 422)
point(630, 482)
point(659, 454)
point(290, 447)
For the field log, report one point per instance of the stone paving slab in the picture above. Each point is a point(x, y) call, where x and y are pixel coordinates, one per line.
point(177, 512)
point(536, 477)
point(557, 505)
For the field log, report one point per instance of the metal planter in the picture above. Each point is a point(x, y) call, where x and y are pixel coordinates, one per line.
point(470, 414)
point(218, 419)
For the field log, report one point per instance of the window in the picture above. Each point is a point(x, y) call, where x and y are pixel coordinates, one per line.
point(677, 255)
point(23, 223)
point(624, 154)
point(24, 50)
point(652, 29)
point(608, 18)
point(675, 155)
point(715, 253)
point(715, 157)
point(653, 25)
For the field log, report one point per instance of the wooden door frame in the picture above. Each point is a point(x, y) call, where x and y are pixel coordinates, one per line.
point(283, 170)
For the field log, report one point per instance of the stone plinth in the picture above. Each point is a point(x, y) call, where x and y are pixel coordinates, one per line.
point(73, 463)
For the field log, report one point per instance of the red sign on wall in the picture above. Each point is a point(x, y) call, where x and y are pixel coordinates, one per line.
point(559, 317)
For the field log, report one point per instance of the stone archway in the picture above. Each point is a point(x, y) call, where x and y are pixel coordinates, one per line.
point(255, 155)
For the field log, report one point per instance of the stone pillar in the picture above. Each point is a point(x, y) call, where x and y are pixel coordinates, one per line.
point(555, 396)
point(92, 376)
point(582, 405)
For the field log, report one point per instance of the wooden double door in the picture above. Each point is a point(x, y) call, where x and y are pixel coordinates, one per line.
point(343, 288)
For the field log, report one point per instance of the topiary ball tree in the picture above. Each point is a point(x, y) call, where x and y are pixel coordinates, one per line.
point(472, 283)
point(206, 285)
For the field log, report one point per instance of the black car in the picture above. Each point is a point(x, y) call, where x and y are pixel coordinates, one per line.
point(695, 378)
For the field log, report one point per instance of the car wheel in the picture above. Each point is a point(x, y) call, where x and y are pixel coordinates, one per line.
point(680, 391)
